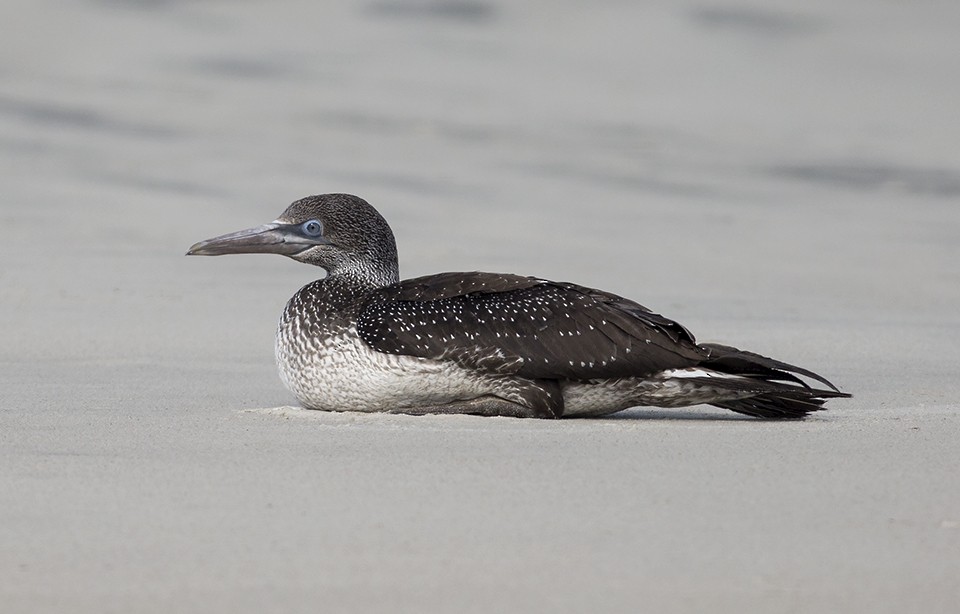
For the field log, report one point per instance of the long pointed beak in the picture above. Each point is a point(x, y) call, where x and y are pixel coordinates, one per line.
point(267, 239)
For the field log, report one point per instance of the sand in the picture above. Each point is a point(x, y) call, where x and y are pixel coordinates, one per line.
point(782, 177)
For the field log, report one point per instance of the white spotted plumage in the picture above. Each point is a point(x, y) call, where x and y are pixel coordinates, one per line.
point(327, 365)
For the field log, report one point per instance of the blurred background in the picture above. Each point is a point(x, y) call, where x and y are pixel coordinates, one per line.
point(783, 176)
point(734, 160)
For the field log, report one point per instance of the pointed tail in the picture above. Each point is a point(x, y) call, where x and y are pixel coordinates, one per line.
point(781, 394)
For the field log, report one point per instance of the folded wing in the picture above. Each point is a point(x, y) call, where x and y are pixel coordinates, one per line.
point(524, 326)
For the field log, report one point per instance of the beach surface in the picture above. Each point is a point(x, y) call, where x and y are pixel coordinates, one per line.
point(783, 177)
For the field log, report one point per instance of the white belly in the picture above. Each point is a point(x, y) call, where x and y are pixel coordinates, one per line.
point(342, 373)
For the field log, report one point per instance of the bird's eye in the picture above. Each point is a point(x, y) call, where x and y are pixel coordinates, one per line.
point(312, 228)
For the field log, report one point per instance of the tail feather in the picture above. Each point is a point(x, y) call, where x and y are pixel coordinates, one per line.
point(781, 394)
point(781, 405)
point(729, 359)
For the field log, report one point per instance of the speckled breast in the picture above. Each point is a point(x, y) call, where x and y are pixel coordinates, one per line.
point(326, 365)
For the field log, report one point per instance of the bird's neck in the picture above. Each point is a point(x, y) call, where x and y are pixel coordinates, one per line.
point(344, 287)
point(364, 276)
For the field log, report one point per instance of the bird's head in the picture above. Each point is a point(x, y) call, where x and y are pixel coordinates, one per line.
point(341, 233)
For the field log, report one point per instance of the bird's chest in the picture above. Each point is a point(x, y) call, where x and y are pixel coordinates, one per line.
point(322, 360)
point(326, 365)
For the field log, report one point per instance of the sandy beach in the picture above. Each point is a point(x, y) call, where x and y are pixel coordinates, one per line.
point(782, 177)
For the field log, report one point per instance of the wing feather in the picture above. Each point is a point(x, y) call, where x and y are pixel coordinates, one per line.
point(525, 326)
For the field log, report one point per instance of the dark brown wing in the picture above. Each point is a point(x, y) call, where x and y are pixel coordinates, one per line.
point(525, 326)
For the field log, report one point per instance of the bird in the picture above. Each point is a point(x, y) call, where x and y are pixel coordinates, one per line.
point(489, 344)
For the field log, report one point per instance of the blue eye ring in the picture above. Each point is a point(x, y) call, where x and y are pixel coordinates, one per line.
point(312, 228)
